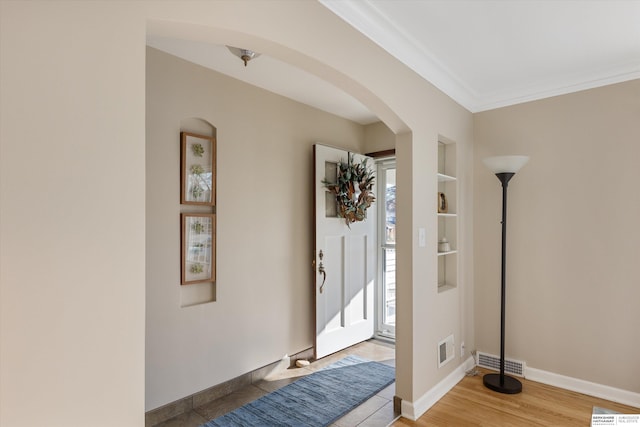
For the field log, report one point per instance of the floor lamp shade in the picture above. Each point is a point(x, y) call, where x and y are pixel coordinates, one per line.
point(505, 167)
point(505, 164)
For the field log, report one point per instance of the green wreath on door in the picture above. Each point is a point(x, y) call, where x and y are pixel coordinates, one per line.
point(354, 190)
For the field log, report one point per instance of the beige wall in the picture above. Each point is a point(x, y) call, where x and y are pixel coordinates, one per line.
point(71, 215)
point(73, 103)
point(378, 137)
point(264, 307)
point(572, 269)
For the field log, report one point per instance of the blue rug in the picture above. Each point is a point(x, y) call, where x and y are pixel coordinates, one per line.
point(315, 400)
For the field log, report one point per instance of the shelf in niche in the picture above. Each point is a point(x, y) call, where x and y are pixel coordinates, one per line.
point(444, 178)
point(447, 253)
point(445, 287)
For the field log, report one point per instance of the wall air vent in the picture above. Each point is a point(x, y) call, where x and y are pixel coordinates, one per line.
point(489, 361)
point(446, 351)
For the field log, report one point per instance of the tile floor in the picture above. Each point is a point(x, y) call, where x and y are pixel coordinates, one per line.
point(375, 412)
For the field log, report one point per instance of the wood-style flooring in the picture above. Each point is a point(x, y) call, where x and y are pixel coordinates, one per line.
point(470, 403)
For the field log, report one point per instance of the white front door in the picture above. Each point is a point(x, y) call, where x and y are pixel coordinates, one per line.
point(345, 263)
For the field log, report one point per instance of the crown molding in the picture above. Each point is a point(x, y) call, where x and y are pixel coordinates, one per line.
point(365, 17)
point(542, 91)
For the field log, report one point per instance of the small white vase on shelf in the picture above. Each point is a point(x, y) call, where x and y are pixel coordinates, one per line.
point(443, 245)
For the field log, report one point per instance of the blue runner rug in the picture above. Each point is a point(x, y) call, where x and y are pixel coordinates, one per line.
point(315, 400)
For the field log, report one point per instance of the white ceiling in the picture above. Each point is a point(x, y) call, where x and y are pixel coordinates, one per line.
point(483, 54)
point(488, 54)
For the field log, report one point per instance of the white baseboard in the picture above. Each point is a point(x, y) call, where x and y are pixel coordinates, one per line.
point(585, 387)
point(414, 410)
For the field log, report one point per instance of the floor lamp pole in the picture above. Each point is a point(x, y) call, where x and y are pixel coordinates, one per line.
point(501, 382)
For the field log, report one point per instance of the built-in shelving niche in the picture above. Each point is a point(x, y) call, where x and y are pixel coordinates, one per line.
point(448, 215)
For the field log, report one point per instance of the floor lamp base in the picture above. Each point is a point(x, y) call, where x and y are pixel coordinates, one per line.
point(509, 385)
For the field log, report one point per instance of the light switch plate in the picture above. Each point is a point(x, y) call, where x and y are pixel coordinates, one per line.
point(422, 237)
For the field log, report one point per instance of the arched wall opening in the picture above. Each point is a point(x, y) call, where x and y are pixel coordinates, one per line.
point(220, 36)
point(82, 71)
point(162, 312)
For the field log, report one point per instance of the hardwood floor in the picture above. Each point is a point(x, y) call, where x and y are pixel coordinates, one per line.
point(470, 403)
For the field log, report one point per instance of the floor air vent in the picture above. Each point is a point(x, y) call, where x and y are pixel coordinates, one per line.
point(489, 361)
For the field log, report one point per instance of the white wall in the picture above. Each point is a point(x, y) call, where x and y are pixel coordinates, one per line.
point(572, 263)
point(264, 289)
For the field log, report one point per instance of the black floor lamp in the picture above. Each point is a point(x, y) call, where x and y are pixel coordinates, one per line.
point(505, 167)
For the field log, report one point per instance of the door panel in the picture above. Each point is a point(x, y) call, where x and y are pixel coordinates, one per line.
point(358, 278)
point(333, 313)
point(344, 260)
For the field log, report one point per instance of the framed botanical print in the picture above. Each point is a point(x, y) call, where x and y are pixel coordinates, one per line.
point(197, 169)
point(198, 248)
